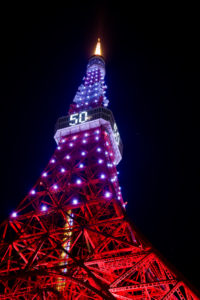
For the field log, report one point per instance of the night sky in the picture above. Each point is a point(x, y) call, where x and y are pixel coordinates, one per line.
point(152, 76)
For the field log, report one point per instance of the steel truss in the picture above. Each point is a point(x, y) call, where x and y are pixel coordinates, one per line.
point(70, 238)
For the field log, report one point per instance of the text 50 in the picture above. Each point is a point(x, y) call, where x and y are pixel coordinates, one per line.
point(78, 118)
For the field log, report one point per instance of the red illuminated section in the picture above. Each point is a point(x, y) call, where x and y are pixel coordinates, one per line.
point(70, 237)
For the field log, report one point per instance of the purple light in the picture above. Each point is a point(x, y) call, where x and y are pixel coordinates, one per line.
point(75, 201)
point(14, 214)
point(107, 194)
point(109, 165)
point(44, 208)
point(102, 176)
point(78, 181)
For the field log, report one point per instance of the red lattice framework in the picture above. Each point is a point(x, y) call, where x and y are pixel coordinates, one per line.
point(70, 237)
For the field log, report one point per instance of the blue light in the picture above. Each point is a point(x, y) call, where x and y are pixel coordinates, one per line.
point(44, 208)
point(55, 186)
point(75, 201)
point(100, 161)
point(102, 176)
point(14, 214)
point(107, 194)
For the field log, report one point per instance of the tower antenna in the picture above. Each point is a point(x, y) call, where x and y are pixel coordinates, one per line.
point(98, 48)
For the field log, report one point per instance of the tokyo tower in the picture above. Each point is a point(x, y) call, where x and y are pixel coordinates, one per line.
point(70, 238)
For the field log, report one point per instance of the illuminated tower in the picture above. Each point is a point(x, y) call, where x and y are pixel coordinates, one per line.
point(70, 238)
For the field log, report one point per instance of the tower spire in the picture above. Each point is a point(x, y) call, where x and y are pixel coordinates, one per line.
point(98, 50)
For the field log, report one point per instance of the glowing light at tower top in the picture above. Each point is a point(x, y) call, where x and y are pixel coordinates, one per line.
point(98, 48)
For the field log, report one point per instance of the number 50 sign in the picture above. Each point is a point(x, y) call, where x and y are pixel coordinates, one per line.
point(78, 118)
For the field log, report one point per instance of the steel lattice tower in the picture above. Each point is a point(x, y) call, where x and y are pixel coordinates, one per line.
point(70, 238)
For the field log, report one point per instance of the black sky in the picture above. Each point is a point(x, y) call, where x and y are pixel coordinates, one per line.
point(152, 76)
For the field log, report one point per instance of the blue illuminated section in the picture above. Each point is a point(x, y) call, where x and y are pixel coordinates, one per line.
point(92, 92)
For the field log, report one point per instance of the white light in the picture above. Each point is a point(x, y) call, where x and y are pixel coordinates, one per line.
point(103, 176)
point(58, 147)
point(86, 134)
point(107, 194)
point(44, 174)
point(100, 161)
point(109, 165)
point(78, 181)
point(53, 161)
point(74, 137)
point(71, 144)
point(62, 170)
point(84, 141)
point(55, 187)
point(118, 198)
point(67, 156)
point(97, 131)
point(63, 141)
point(96, 138)
point(44, 208)
point(75, 201)
point(14, 214)
point(83, 153)
point(33, 192)
point(81, 165)
point(98, 149)
point(106, 152)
